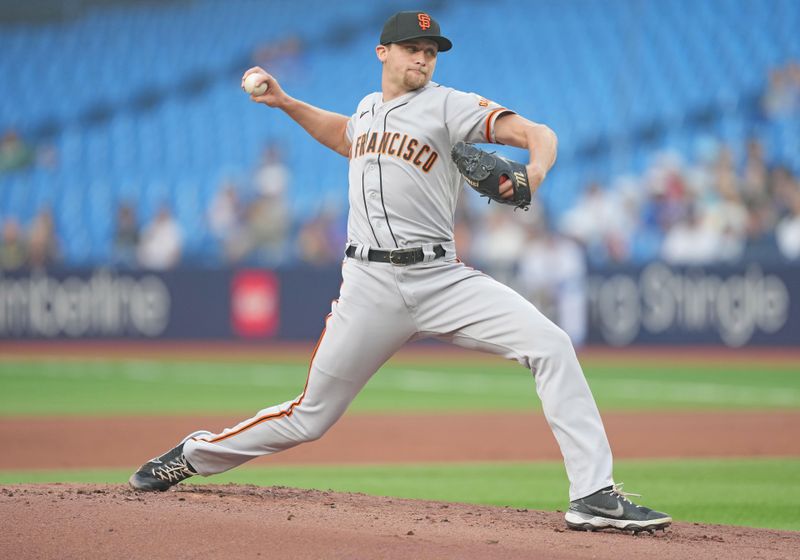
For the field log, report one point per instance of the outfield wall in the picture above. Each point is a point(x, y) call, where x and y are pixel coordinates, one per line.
point(731, 306)
point(752, 305)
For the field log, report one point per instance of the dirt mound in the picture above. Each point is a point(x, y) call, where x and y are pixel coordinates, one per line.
point(230, 521)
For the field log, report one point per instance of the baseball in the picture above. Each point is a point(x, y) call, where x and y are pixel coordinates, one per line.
point(252, 86)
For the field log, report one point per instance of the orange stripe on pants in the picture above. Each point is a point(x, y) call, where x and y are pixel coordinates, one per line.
point(283, 413)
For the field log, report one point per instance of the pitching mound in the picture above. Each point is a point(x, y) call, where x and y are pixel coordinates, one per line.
point(230, 521)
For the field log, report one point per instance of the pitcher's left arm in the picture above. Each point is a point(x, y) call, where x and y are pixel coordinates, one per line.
point(540, 141)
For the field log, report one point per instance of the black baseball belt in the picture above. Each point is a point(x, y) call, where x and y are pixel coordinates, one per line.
point(400, 257)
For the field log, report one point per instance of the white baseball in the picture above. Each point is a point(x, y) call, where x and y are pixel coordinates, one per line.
point(252, 86)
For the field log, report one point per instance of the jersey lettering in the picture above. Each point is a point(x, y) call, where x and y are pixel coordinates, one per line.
point(422, 150)
point(410, 149)
point(423, 157)
point(402, 145)
point(373, 140)
point(429, 163)
point(391, 151)
point(384, 142)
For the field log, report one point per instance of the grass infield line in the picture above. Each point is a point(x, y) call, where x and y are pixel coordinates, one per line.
point(751, 492)
point(429, 351)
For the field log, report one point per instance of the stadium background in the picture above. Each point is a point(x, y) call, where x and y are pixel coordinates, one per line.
point(666, 241)
point(679, 137)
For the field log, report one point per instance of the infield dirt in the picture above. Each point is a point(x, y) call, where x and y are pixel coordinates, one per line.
point(233, 521)
point(92, 442)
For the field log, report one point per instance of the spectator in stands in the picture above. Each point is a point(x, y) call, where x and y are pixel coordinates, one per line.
point(272, 176)
point(13, 252)
point(766, 204)
point(43, 245)
point(760, 232)
point(126, 237)
point(161, 242)
point(465, 223)
point(602, 221)
point(700, 177)
point(225, 219)
point(552, 275)
point(692, 241)
point(727, 216)
point(267, 219)
point(586, 220)
point(224, 211)
point(782, 185)
point(726, 180)
point(782, 96)
point(320, 240)
point(788, 230)
point(755, 174)
point(499, 241)
point(625, 223)
point(14, 152)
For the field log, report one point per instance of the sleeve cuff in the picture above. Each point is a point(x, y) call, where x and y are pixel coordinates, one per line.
point(491, 119)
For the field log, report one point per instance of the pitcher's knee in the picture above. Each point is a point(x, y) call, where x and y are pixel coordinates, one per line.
point(563, 342)
point(314, 432)
point(554, 344)
point(315, 419)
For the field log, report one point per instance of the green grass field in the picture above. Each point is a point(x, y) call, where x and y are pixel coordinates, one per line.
point(168, 387)
point(755, 492)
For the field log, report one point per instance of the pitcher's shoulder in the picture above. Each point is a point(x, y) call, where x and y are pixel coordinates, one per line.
point(369, 102)
point(438, 90)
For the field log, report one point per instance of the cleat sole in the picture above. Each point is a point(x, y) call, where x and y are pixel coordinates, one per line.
point(584, 522)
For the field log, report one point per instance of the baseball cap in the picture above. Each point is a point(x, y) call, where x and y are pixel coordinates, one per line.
point(404, 26)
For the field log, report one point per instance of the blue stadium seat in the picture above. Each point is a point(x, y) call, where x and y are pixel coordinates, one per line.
point(597, 72)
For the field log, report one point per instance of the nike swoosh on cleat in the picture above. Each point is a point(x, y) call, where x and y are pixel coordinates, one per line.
point(619, 510)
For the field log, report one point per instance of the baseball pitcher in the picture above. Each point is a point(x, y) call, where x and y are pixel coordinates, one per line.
point(410, 147)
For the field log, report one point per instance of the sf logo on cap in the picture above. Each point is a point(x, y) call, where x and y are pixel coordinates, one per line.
point(424, 21)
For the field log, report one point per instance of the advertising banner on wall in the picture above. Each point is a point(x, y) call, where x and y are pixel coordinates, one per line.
point(657, 304)
point(250, 304)
point(751, 305)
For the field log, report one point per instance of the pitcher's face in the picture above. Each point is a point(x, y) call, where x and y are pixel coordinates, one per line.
point(409, 65)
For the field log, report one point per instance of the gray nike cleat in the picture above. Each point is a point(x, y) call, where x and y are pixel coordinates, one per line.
point(610, 507)
point(167, 470)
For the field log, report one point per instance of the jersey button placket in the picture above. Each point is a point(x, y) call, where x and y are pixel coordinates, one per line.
point(374, 198)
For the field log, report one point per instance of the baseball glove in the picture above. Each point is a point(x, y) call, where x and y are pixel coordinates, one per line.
point(485, 172)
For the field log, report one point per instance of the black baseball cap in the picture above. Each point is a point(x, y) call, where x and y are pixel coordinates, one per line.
point(404, 26)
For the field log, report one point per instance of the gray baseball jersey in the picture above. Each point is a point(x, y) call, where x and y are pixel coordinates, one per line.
point(403, 185)
point(403, 193)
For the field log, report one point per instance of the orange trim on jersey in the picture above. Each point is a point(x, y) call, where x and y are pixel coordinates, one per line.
point(489, 123)
point(282, 413)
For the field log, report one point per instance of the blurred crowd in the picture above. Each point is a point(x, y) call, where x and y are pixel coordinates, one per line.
point(253, 223)
point(721, 204)
point(34, 248)
point(713, 210)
